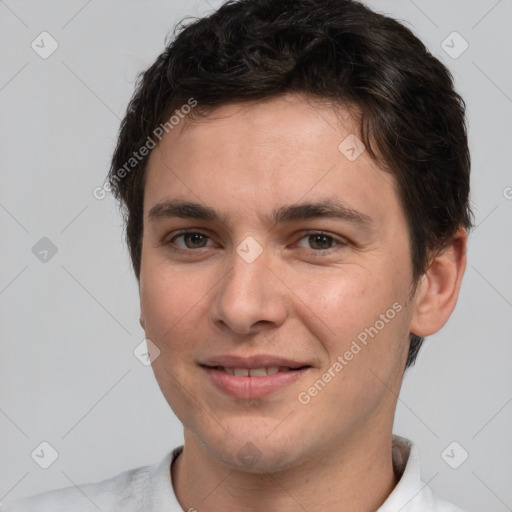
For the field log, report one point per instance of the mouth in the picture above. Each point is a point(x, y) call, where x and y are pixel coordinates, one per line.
point(264, 371)
point(253, 383)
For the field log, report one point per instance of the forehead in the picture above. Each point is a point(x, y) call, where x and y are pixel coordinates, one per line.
point(250, 157)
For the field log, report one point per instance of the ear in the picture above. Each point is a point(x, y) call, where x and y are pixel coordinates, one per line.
point(141, 322)
point(438, 289)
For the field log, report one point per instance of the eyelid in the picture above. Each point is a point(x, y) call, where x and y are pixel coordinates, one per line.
point(339, 241)
point(169, 239)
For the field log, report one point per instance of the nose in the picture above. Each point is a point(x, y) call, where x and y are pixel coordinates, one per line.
point(251, 297)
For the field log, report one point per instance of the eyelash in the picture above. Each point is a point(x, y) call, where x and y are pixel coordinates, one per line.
point(315, 252)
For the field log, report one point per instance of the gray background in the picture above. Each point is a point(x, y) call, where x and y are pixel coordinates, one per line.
point(69, 325)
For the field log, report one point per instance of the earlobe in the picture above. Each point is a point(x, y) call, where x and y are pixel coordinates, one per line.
point(438, 289)
point(141, 322)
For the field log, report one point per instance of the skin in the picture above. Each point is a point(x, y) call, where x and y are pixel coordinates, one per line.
point(301, 298)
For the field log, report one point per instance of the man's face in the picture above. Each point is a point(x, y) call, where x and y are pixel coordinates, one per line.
point(310, 290)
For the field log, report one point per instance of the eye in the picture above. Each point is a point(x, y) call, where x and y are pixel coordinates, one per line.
point(317, 242)
point(191, 240)
point(320, 242)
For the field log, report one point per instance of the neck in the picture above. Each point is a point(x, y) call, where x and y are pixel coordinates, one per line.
point(356, 475)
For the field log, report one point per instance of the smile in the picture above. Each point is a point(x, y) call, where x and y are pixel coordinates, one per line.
point(254, 372)
point(253, 383)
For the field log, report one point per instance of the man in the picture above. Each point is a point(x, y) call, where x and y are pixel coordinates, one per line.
point(295, 182)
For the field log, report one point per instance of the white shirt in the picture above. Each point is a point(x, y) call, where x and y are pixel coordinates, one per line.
point(150, 489)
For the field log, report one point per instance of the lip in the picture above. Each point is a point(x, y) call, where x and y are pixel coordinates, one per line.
point(259, 361)
point(252, 387)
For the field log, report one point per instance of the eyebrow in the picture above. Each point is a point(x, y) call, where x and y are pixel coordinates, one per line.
point(327, 208)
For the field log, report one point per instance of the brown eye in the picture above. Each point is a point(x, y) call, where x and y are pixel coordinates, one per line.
point(191, 240)
point(318, 243)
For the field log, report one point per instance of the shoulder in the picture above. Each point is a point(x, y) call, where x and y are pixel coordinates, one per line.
point(127, 491)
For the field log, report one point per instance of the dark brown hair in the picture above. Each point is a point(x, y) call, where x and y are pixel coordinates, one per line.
point(411, 120)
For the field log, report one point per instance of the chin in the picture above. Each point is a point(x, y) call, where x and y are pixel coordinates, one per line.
point(258, 449)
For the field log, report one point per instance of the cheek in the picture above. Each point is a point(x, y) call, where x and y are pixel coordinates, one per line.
point(171, 298)
point(337, 303)
point(358, 314)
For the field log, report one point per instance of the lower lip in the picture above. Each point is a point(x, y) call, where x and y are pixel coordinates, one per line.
point(253, 387)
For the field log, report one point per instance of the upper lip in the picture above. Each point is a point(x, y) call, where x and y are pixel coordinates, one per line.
point(258, 361)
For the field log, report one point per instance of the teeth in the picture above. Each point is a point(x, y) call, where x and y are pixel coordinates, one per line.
point(255, 372)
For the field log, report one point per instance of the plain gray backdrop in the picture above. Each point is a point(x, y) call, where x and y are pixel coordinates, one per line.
point(69, 319)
